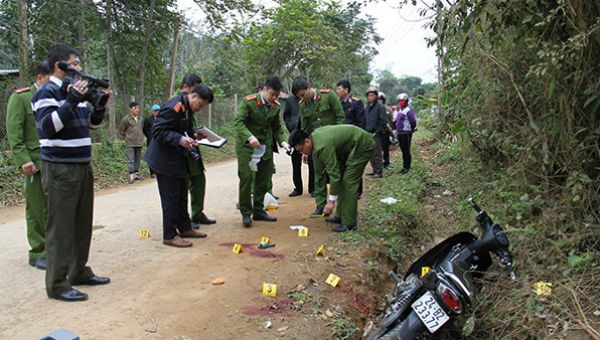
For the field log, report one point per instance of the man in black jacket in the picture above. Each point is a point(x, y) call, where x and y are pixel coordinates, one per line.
point(291, 117)
point(377, 126)
point(167, 156)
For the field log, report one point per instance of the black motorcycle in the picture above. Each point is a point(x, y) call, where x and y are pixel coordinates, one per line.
point(442, 283)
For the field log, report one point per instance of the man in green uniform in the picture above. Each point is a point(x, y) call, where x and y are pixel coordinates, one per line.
point(344, 151)
point(25, 147)
point(317, 108)
point(197, 179)
point(258, 131)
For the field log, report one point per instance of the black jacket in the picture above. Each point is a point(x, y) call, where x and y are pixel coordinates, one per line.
point(291, 114)
point(164, 155)
point(376, 118)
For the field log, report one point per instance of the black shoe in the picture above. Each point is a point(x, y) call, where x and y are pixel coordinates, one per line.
point(38, 263)
point(342, 228)
point(295, 193)
point(71, 295)
point(333, 219)
point(204, 220)
point(404, 170)
point(246, 221)
point(313, 194)
point(92, 281)
point(318, 212)
point(263, 217)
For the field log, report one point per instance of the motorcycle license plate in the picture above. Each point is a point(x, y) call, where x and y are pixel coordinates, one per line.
point(430, 312)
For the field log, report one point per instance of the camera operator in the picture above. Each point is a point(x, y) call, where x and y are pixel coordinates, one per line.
point(170, 150)
point(63, 123)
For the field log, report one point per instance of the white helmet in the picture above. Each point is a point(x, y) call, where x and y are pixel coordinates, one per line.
point(402, 96)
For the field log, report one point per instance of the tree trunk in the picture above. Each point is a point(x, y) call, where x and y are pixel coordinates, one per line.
point(110, 52)
point(149, 34)
point(23, 44)
point(173, 57)
point(81, 34)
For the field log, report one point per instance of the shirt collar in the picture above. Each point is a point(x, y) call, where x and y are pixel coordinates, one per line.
point(56, 81)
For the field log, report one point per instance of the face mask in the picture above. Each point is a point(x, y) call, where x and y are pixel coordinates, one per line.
point(403, 103)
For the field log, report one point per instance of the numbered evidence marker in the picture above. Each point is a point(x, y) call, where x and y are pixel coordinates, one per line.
point(332, 280)
point(269, 289)
point(237, 248)
point(425, 270)
point(144, 233)
point(265, 240)
point(320, 251)
point(303, 232)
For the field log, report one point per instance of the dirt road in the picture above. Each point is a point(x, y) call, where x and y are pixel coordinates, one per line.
point(159, 292)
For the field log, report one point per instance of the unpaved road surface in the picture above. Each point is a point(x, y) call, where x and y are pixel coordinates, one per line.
point(160, 292)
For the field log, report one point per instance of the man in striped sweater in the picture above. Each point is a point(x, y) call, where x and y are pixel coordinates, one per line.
point(63, 123)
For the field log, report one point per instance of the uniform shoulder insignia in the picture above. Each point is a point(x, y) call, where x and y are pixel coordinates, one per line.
point(22, 89)
point(325, 90)
point(179, 107)
point(250, 97)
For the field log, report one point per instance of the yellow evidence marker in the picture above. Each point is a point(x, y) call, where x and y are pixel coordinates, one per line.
point(332, 280)
point(237, 248)
point(320, 251)
point(425, 270)
point(265, 239)
point(303, 232)
point(269, 289)
point(144, 233)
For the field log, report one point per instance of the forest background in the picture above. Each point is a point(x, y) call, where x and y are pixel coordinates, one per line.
point(518, 94)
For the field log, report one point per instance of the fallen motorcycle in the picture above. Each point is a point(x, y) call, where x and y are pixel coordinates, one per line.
point(442, 284)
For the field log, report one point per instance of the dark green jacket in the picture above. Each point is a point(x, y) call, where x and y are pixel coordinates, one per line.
point(341, 145)
point(325, 109)
point(253, 119)
point(20, 128)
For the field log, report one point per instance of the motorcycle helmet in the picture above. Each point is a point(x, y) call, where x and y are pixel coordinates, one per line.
point(372, 89)
point(402, 96)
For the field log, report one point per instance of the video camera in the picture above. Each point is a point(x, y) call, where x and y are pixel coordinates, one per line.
point(96, 97)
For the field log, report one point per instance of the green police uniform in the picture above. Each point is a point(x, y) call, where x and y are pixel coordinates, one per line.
point(254, 117)
point(25, 146)
point(344, 151)
point(325, 109)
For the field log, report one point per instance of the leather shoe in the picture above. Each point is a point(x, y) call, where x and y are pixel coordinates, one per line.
point(193, 234)
point(177, 242)
point(71, 295)
point(93, 281)
point(342, 227)
point(246, 221)
point(38, 263)
point(318, 211)
point(295, 193)
point(333, 219)
point(264, 217)
point(205, 220)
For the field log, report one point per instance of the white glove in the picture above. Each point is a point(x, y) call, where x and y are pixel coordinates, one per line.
point(286, 146)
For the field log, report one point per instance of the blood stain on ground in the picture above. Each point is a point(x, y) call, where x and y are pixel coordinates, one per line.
point(270, 310)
